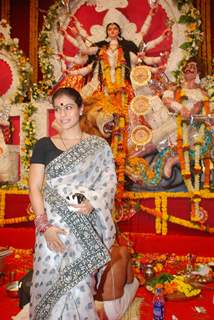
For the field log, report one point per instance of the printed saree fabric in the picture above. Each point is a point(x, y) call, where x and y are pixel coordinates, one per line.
point(63, 283)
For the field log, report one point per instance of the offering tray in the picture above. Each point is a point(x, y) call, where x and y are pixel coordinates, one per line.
point(203, 274)
point(175, 288)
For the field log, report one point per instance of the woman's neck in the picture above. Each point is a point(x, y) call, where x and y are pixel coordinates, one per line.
point(71, 134)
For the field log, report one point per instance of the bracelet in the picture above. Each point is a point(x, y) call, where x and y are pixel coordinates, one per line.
point(41, 223)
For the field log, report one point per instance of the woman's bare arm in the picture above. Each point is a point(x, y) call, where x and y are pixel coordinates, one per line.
point(36, 179)
point(51, 234)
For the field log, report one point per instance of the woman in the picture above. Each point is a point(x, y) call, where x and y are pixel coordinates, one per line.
point(72, 240)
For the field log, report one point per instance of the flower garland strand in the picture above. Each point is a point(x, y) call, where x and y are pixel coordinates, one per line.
point(198, 214)
point(2, 208)
point(28, 128)
point(116, 90)
point(158, 220)
point(133, 201)
point(176, 220)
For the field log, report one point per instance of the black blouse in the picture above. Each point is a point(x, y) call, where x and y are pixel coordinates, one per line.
point(44, 151)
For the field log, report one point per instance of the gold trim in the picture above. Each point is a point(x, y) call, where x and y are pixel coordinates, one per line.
point(141, 135)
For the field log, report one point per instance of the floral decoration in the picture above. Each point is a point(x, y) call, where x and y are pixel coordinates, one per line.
point(28, 128)
point(134, 205)
point(190, 16)
point(20, 62)
point(202, 143)
point(169, 263)
point(208, 83)
point(46, 52)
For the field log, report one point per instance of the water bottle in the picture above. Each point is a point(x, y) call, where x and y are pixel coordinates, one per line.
point(158, 305)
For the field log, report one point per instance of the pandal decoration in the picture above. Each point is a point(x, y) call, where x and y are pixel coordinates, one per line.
point(140, 105)
point(118, 94)
point(141, 135)
point(198, 214)
point(28, 127)
point(140, 76)
point(134, 205)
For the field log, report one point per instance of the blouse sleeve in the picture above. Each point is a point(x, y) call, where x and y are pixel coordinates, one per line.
point(39, 151)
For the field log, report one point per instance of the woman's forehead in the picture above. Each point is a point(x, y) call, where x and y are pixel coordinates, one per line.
point(64, 98)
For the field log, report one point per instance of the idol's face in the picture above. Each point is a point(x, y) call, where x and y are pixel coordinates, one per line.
point(190, 71)
point(113, 31)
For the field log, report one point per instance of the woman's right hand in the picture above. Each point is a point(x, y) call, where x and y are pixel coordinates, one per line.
point(52, 238)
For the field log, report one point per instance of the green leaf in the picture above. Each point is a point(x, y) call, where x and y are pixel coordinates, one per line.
point(186, 19)
point(162, 278)
point(186, 45)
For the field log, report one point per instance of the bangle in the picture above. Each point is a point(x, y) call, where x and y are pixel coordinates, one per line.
point(41, 223)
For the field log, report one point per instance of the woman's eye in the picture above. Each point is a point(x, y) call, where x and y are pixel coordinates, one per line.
point(68, 107)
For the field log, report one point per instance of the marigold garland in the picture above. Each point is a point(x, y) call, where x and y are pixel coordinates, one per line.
point(158, 221)
point(119, 84)
point(198, 214)
point(160, 211)
point(165, 215)
point(28, 127)
point(116, 90)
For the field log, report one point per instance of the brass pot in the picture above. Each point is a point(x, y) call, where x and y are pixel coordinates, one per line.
point(149, 272)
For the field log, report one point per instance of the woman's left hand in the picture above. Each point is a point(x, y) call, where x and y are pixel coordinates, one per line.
point(84, 207)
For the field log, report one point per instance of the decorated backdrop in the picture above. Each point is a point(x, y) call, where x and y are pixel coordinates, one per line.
point(171, 35)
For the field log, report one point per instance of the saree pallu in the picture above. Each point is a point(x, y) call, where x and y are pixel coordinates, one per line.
point(62, 286)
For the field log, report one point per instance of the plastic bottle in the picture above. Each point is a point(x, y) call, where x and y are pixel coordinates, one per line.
point(158, 305)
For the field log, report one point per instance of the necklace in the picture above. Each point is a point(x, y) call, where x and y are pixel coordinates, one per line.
point(63, 142)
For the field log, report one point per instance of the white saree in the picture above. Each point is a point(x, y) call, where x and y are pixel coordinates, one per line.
point(63, 283)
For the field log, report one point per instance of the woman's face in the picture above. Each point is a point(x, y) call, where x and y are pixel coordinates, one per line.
point(67, 112)
point(113, 31)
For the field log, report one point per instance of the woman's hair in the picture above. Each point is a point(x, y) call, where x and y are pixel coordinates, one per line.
point(69, 92)
point(117, 25)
